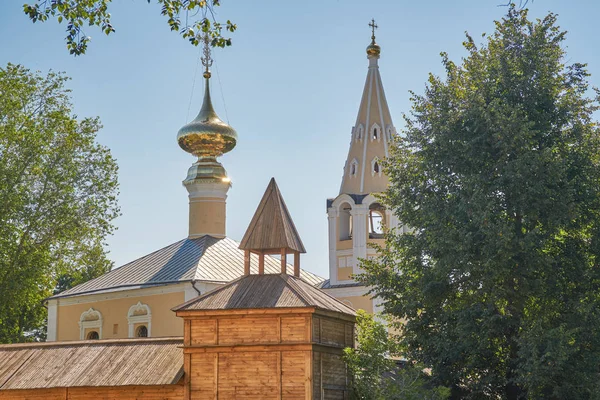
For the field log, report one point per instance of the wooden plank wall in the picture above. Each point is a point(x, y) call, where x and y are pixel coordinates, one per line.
point(330, 377)
point(256, 375)
point(332, 332)
point(249, 329)
point(164, 392)
point(253, 356)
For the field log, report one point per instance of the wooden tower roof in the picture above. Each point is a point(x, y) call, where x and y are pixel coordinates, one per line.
point(272, 226)
point(266, 291)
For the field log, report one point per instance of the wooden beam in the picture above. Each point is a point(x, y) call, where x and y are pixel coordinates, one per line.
point(261, 263)
point(297, 264)
point(283, 261)
point(247, 262)
point(187, 373)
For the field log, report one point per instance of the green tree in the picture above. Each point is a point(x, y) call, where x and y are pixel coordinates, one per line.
point(198, 19)
point(58, 191)
point(498, 176)
point(374, 373)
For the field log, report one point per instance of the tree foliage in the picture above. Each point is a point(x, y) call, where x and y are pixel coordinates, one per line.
point(498, 176)
point(375, 375)
point(192, 18)
point(58, 190)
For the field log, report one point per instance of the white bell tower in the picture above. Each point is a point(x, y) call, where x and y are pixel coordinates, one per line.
point(356, 217)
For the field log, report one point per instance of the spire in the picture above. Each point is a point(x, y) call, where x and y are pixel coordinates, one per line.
point(372, 133)
point(272, 231)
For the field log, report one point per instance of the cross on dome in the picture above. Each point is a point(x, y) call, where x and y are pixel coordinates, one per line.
point(373, 27)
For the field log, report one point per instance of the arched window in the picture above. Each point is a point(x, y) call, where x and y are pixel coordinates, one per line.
point(90, 320)
point(353, 168)
point(92, 335)
point(345, 222)
point(376, 167)
point(139, 314)
point(141, 331)
point(390, 132)
point(375, 132)
point(376, 221)
point(358, 133)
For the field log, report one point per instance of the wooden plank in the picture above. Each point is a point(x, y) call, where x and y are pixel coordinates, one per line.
point(283, 261)
point(297, 264)
point(308, 370)
point(187, 373)
point(294, 330)
point(257, 348)
point(247, 262)
point(187, 326)
point(261, 263)
point(279, 376)
point(245, 331)
point(216, 369)
point(200, 314)
point(34, 394)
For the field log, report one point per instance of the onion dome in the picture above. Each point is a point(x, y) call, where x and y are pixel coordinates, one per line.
point(207, 135)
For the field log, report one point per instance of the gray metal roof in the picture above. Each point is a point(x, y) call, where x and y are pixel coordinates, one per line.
point(202, 259)
point(91, 363)
point(266, 291)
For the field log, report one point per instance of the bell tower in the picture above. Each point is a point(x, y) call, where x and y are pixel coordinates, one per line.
point(356, 217)
point(207, 137)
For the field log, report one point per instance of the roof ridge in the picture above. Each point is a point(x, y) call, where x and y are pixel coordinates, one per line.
point(291, 233)
point(298, 291)
point(256, 216)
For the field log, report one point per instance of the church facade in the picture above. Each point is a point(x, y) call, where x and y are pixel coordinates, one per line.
point(135, 300)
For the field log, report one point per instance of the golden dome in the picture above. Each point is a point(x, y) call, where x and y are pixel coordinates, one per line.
point(207, 135)
point(373, 50)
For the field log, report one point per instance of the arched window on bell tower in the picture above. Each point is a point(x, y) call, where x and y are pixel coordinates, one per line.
point(376, 221)
point(345, 222)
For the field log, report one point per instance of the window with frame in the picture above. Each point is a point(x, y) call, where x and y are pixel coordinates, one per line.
point(139, 315)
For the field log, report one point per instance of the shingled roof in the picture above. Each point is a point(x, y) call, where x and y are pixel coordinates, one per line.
point(203, 259)
point(272, 226)
point(266, 291)
point(91, 363)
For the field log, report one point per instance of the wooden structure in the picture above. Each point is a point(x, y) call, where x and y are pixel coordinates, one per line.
point(272, 231)
point(266, 336)
point(116, 369)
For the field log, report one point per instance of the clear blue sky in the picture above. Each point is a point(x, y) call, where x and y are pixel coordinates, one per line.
point(292, 83)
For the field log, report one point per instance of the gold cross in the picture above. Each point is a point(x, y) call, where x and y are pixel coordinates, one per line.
point(373, 27)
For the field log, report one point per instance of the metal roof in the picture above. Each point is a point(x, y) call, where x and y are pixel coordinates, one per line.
point(266, 291)
point(203, 259)
point(91, 363)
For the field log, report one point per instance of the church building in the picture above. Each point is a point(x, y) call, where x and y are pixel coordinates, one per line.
point(135, 300)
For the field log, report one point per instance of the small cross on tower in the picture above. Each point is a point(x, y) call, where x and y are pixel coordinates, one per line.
point(373, 27)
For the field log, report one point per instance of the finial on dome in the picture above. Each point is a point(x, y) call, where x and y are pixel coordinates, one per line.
point(373, 50)
point(207, 136)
